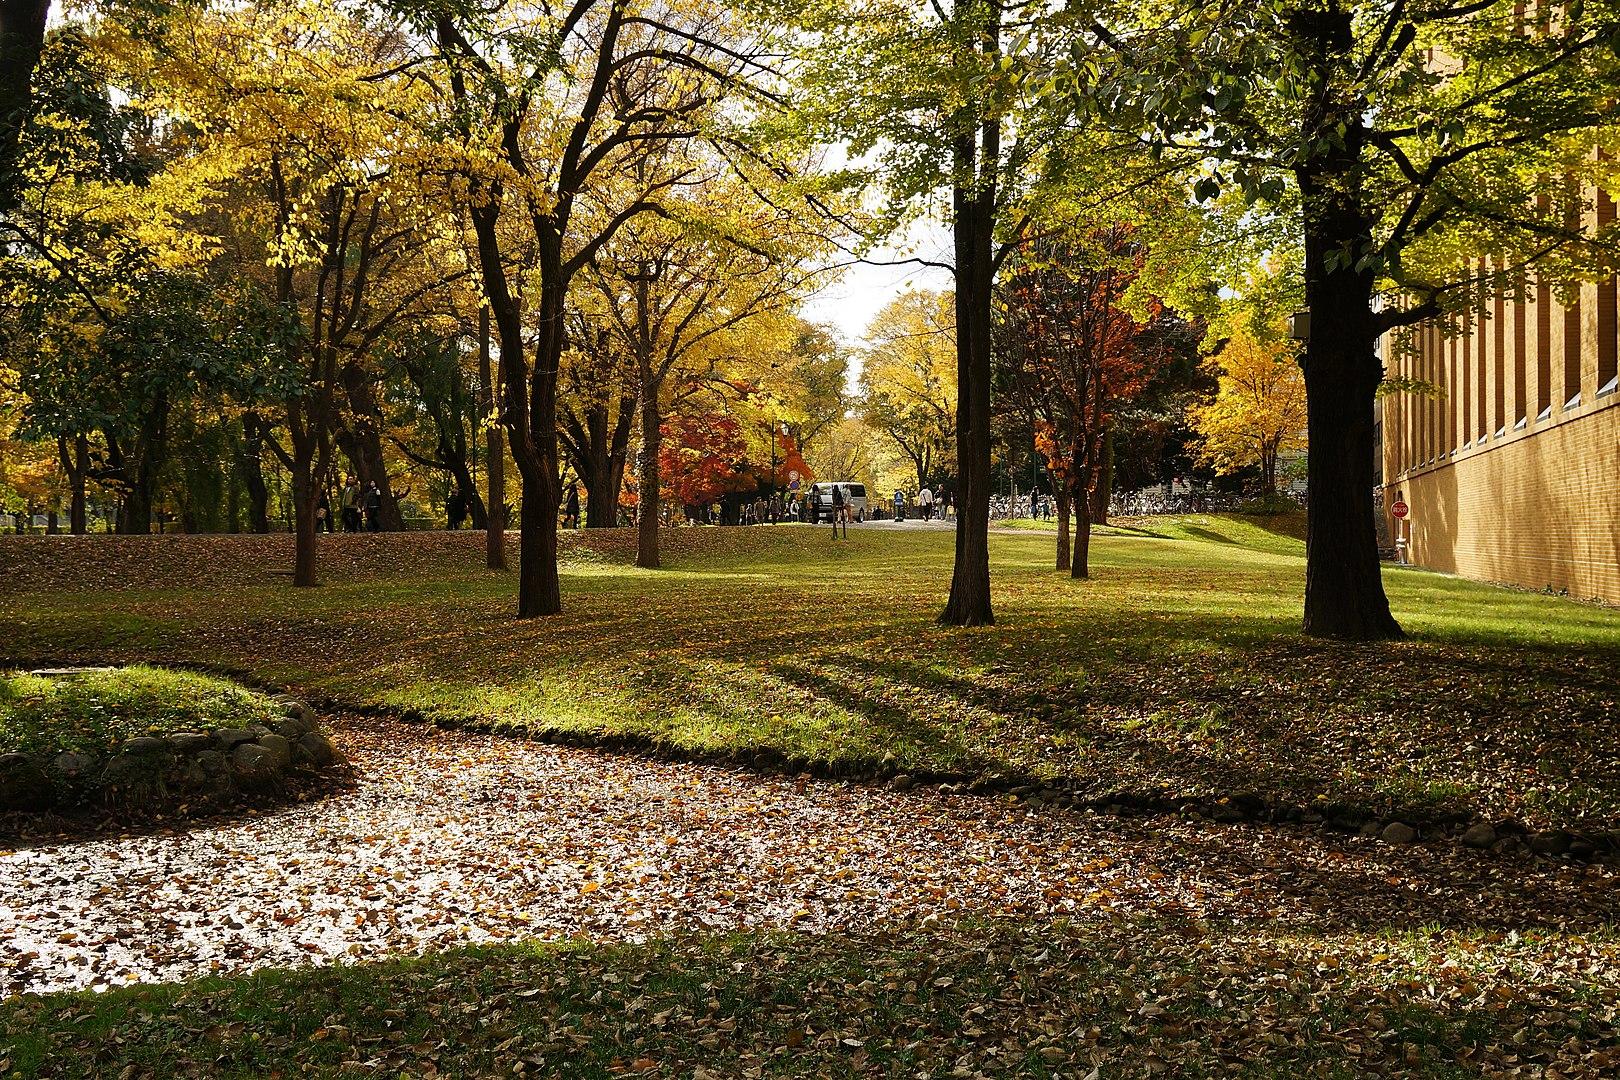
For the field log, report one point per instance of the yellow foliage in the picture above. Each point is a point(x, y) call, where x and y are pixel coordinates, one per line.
point(1258, 410)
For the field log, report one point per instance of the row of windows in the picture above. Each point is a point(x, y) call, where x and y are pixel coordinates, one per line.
point(1514, 363)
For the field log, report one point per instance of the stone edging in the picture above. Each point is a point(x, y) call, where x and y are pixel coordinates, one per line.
point(194, 767)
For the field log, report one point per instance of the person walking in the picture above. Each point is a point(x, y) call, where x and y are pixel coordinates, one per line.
point(776, 507)
point(899, 505)
point(373, 508)
point(571, 508)
point(925, 500)
point(351, 504)
point(839, 512)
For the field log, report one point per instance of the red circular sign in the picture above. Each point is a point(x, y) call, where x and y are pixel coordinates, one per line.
point(1399, 509)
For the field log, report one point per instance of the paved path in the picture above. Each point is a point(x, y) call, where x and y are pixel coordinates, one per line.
point(454, 838)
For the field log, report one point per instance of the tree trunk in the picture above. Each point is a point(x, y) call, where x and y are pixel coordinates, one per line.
point(1080, 564)
point(648, 476)
point(973, 229)
point(78, 523)
point(363, 442)
point(22, 37)
point(607, 452)
point(251, 466)
point(1062, 497)
point(1344, 590)
point(495, 451)
point(1102, 493)
point(306, 497)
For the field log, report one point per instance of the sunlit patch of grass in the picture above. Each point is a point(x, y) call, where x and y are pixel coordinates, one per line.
point(97, 710)
point(1178, 666)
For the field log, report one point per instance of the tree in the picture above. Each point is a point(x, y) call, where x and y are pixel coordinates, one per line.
point(1402, 140)
point(1258, 410)
point(939, 102)
point(561, 115)
point(22, 39)
point(1072, 352)
point(680, 291)
point(908, 379)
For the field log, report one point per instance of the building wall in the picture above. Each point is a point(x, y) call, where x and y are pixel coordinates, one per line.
point(1538, 512)
point(1512, 470)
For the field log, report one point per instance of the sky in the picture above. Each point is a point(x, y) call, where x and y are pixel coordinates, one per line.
point(850, 302)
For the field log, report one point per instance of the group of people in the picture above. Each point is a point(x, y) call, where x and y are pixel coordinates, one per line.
point(361, 509)
point(929, 504)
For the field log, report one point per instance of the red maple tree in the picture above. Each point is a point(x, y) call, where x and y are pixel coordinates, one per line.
point(1072, 355)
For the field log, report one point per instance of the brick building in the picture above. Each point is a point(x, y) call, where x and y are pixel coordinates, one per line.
point(1512, 473)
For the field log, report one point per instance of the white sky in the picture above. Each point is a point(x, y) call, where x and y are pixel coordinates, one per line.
point(850, 302)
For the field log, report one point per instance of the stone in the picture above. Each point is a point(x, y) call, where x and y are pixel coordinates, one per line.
point(1479, 836)
point(900, 783)
point(189, 742)
point(1582, 848)
point(144, 744)
point(133, 778)
point(296, 709)
point(24, 785)
point(216, 771)
point(278, 746)
point(291, 727)
point(231, 738)
point(317, 748)
point(73, 766)
point(254, 767)
point(1398, 832)
point(1550, 843)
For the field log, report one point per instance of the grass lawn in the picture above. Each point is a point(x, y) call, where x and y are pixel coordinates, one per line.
point(97, 710)
point(980, 999)
point(1176, 671)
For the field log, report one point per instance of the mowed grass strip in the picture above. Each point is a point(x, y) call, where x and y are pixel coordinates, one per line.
point(995, 998)
point(1176, 671)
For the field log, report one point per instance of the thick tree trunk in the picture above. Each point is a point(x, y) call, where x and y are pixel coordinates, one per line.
point(539, 590)
point(251, 465)
point(1062, 498)
point(22, 36)
point(1344, 589)
point(973, 227)
point(495, 456)
point(648, 476)
point(306, 497)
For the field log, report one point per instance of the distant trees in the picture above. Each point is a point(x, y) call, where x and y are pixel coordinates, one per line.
point(908, 380)
point(1258, 411)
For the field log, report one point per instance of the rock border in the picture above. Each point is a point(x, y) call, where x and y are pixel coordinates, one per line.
point(192, 768)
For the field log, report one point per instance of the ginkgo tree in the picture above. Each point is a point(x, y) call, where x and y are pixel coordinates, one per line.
point(908, 380)
point(1258, 412)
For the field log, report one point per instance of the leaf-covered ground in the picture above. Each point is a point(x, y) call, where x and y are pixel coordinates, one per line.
point(710, 922)
point(1177, 672)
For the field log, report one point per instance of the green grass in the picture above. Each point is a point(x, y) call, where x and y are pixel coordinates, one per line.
point(97, 710)
point(1177, 670)
point(986, 998)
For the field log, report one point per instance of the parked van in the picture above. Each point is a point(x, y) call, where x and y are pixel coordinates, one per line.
point(821, 499)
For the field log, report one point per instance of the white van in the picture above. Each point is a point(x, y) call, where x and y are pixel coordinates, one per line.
point(821, 499)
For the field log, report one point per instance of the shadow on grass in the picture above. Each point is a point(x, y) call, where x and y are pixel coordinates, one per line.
point(1061, 998)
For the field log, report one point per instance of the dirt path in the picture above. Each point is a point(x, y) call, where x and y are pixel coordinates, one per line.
point(454, 838)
